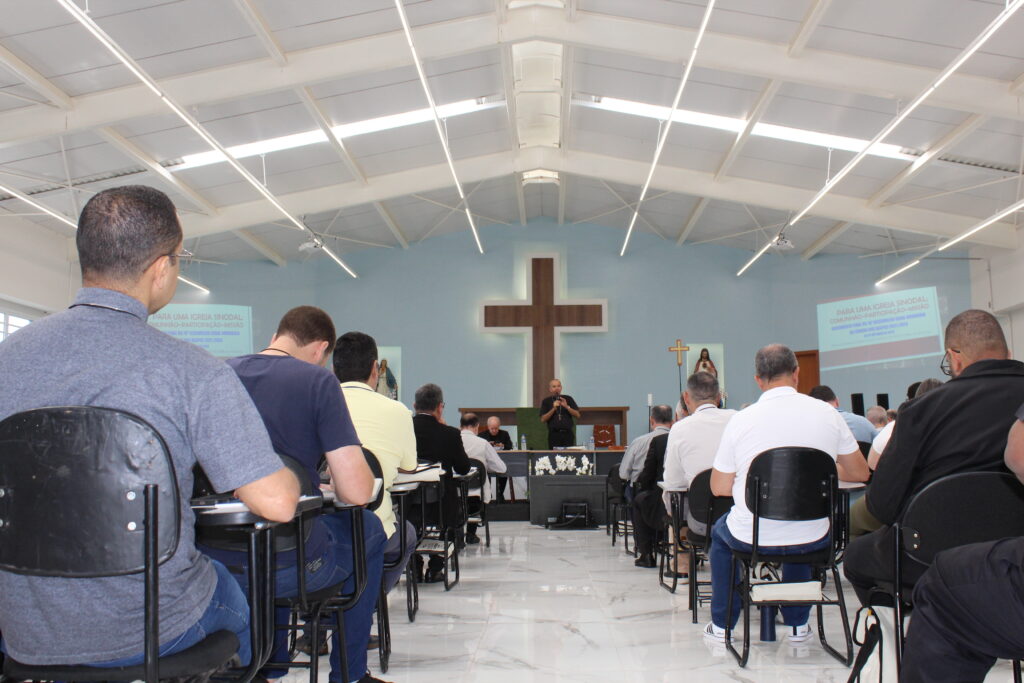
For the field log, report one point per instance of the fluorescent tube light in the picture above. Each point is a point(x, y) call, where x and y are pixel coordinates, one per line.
point(756, 256)
point(344, 130)
point(198, 286)
point(897, 272)
point(999, 215)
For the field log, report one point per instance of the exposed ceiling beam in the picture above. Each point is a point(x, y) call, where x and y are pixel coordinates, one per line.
point(35, 80)
point(828, 238)
point(259, 245)
point(632, 207)
point(172, 181)
point(965, 128)
point(741, 138)
point(562, 181)
point(568, 59)
point(459, 207)
point(311, 105)
point(691, 222)
point(392, 224)
point(614, 170)
point(521, 198)
point(383, 52)
point(811, 20)
point(1017, 87)
point(262, 30)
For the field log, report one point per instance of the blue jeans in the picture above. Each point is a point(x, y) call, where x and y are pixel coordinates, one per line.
point(228, 611)
point(722, 545)
point(334, 566)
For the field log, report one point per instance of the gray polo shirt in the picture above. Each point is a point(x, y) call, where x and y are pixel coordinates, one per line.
point(101, 352)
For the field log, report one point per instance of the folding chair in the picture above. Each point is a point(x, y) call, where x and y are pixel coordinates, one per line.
point(705, 508)
point(790, 484)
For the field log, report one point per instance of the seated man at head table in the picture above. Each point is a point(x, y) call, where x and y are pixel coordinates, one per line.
point(436, 442)
point(304, 411)
point(959, 427)
point(781, 417)
point(478, 449)
point(130, 250)
point(385, 427)
point(501, 441)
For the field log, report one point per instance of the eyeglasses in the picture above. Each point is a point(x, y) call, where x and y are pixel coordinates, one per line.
point(185, 256)
point(944, 365)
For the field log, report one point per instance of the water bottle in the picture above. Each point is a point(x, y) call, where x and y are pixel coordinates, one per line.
point(590, 443)
point(522, 442)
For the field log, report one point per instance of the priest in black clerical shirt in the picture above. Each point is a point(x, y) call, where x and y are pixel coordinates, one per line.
point(495, 435)
point(558, 411)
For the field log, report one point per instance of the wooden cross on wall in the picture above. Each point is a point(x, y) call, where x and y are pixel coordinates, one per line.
point(543, 316)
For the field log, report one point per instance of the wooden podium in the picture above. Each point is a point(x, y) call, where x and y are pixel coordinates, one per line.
point(591, 415)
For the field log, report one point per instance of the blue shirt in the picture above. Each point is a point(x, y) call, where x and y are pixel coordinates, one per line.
point(862, 429)
point(101, 352)
point(304, 412)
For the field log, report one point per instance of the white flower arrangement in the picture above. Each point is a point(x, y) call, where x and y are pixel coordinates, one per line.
point(579, 465)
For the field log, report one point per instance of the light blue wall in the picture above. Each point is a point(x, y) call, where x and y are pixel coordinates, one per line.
point(426, 299)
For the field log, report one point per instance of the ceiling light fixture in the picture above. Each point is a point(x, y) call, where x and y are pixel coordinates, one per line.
point(344, 130)
point(86, 21)
point(756, 256)
point(668, 122)
point(198, 286)
point(898, 271)
point(999, 215)
point(735, 125)
point(437, 121)
point(975, 45)
point(540, 176)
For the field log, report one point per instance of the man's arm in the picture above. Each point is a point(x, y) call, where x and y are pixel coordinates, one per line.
point(890, 487)
point(460, 461)
point(544, 417)
point(1014, 454)
point(852, 467)
point(350, 475)
point(494, 461)
point(626, 464)
point(721, 482)
point(272, 497)
point(570, 405)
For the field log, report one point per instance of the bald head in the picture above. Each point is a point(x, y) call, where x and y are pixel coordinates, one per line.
point(976, 335)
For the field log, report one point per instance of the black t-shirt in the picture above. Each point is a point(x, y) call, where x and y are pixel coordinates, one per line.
point(500, 439)
point(561, 419)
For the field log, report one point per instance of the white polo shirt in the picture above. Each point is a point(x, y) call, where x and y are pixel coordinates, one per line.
point(693, 443)
point(483, 452)
point(781, 417)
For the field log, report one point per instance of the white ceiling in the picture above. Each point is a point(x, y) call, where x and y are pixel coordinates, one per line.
point(842, 68)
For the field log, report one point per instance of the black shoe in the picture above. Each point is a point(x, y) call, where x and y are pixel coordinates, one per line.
point(472, 540)
point(302, 645)
point(669, 574)
point(646, 560)
point(368, 678)
point(373, 643)
point(434, 576)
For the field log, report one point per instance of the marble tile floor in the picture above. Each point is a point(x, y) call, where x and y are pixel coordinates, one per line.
point(550, 606)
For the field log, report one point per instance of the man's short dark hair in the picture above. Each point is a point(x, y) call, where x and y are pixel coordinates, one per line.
point(123, 230)
point(912, 390)
point(977, 334)
point(702, 386)
point(469, 420)
point(307, 324)
point(354, 356)
point(774, 361)
point(928, 385)
point(823, 392)
point(428, 398)
point(661, 414)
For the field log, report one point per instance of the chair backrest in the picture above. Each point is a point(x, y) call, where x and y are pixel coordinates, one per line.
point(604, 436)
point(792, 484)
point(969, 507)
point(73, 481)
point(378, 473)
point(614, 484)
point(705, 507)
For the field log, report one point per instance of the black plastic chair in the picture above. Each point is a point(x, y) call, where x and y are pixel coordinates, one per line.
point(398, 495)
point(115, 467)
point(438, 535)
point(476, 482)
point(705, 508)
point(669, 545)
point(865, 448)
point(617, 520)
point(790, 484)
point(969, 507)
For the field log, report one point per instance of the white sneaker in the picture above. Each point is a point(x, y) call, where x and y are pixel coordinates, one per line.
point(714, 633)
point(799, 634)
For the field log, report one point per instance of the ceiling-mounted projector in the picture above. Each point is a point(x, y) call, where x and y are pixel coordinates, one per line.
point(309, 246)
point(784, 243)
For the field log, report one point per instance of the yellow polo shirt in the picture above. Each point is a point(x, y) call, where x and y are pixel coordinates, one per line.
point(385, 427)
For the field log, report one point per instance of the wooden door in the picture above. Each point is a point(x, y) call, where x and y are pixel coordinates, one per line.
point(810, 376)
